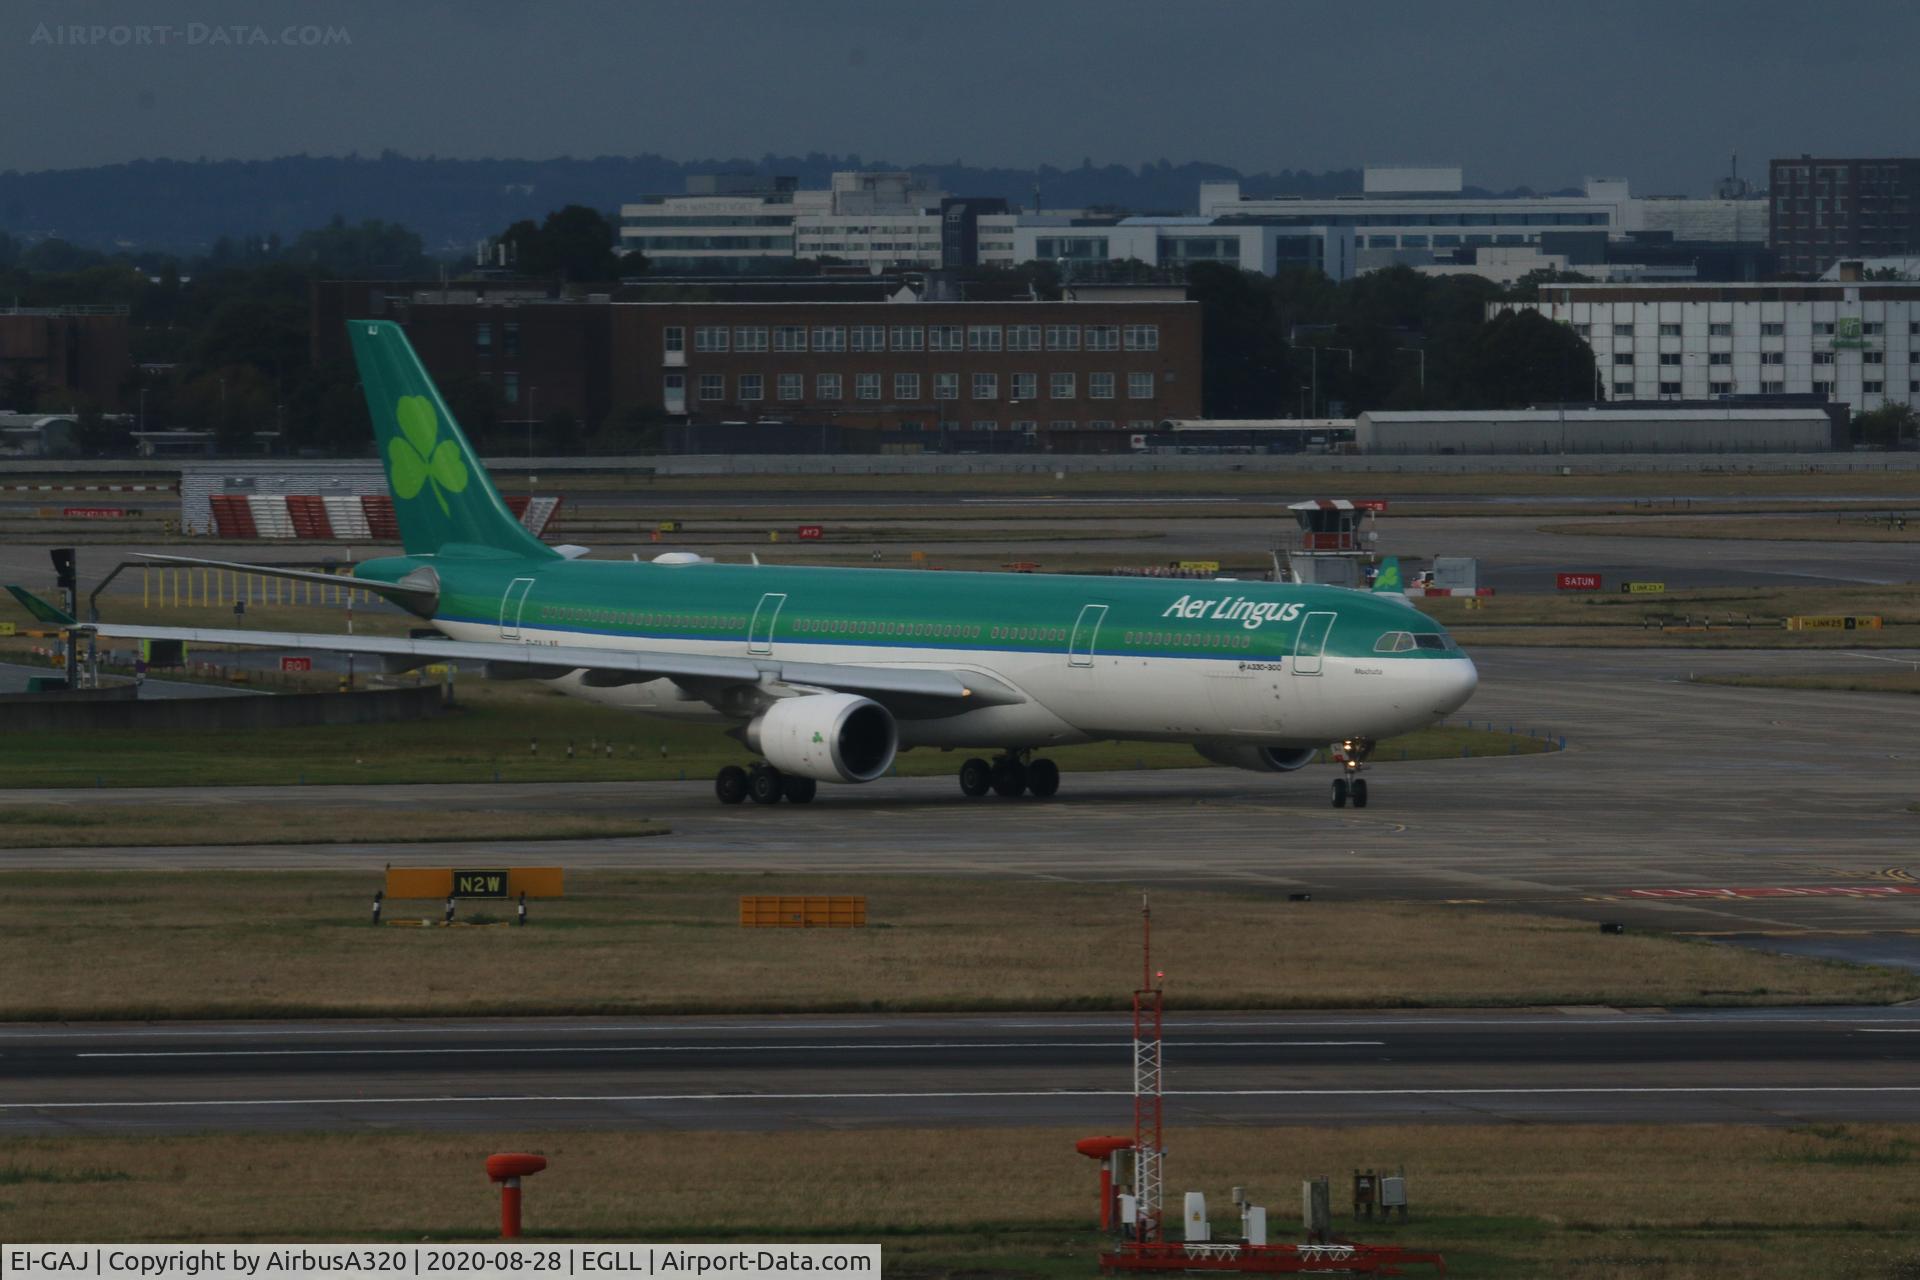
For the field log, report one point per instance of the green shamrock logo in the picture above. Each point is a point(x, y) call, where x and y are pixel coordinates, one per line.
point(415, 460)
point(817, 737)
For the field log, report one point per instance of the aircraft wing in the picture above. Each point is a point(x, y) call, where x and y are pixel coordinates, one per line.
point(912, 688)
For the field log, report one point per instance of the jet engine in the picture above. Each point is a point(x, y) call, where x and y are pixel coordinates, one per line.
point(830, 737)
point(1258, 759)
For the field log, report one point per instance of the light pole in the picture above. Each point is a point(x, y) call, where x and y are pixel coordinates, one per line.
point(1422, 353)
point(533, 416)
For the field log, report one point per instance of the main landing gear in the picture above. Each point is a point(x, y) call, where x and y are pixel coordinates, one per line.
point(762, 784)
point(1010, 775)
point(1351, 756)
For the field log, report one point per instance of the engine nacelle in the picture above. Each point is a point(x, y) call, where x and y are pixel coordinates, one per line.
point(830, 737)
point(1258, 759)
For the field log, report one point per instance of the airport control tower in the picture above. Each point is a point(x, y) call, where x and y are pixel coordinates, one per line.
point(1333, 544)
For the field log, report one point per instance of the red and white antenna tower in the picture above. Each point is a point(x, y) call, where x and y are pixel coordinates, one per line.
point(1148, 1115)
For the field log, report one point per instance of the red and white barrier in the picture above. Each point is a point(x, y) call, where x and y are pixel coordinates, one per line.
point(339, 518)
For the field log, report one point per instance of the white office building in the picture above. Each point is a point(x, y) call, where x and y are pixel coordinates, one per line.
point(732, 224)
point(1076, 244)
point(1854, 343)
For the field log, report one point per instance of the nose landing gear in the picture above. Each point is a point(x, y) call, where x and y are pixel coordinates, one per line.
point(1351, 756)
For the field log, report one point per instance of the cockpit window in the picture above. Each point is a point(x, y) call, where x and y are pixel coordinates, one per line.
point(1393, 642)
point(1433, 640)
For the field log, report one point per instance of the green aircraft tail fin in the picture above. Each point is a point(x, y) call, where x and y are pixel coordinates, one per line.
point(441, 493)
point(40, 609)
point(1388, 579)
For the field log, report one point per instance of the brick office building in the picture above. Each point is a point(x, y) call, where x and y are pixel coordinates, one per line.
point(896, 366)
point(73, 354)
point(1823, 210)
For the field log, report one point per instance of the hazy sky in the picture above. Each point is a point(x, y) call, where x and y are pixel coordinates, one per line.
point(1535, 93)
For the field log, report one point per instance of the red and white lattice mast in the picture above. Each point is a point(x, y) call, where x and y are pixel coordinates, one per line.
point(1149, 1152)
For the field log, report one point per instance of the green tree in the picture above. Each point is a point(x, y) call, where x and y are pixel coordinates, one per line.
point(383, 250)
point(1520, 358)
point(1243, 356)
point(575, 242)
point(20, 390)
point(1887, 427)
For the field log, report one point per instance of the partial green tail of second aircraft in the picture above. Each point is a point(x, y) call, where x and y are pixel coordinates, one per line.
point(441, 494)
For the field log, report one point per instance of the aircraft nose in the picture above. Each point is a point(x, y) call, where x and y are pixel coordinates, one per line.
point(1454, 681)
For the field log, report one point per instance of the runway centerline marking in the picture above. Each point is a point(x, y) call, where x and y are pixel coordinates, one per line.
point(725, 1048)
point(521, 1098)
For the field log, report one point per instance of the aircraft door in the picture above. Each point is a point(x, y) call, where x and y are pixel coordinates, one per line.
point(1086, 631)
point(513, 603)
point(760, 631)
point(1312, 644)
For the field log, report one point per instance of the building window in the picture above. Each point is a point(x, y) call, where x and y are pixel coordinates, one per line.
point(1060, 386)
point(983, 337)
point(792, 386)
point(1062, 424)
point(1772, 329)
point(483, 339)
point(908, 337)
point(1143, 337)
point(1140, 386)
point(829, 338)
point(510, 388)
point(1100, 386)
point(1773, 357)
point(710, 338)
point(1720, 331)
point(943, 337)
point(789, 337)
point(986, 386)
point(1623, 357)
point(753, 386)
point(827, 387)
point(1720, 357)
point(674, 337)
point(510, 338)
point(1103, 337)
point(1873, 388)
point(713, 386)
point(1026, 426)
point(1023, 337)
point(750, 337)
point(1100, 424)
point(866, 386)
point(906, 386)
point(869, 337)
point(986, 424)
point(675, 387)
point(1669, 388)
point(1823, 357)
point(1623, 331)
point(1873, 328)
point(1063, 337)
point(1584, 330)
point(946, 386)
point(1670, 357)
point(1623, 391)
point(1823, 389)
point(1873, 357)
point(1823, 328)
point(1720, 388)
point(1026, 386)
point(1669, 330)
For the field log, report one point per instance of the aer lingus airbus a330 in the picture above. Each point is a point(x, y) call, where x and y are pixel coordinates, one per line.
point(825, 674)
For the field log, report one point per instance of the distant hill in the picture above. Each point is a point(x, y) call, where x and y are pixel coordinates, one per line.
point(184, 206)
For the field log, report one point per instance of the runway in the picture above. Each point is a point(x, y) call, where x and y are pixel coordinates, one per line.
point(1576, 1066)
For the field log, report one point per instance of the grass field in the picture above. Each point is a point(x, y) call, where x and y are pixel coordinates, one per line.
point(1696, 618)
point(260, 944)
point(1509, 1202)
point(81, 825)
